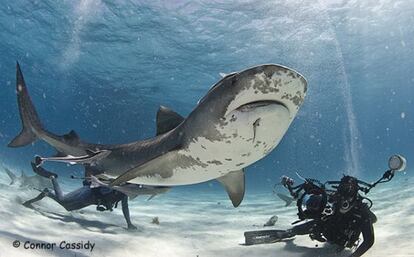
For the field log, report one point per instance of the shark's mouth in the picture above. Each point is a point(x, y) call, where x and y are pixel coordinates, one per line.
point(257, 104)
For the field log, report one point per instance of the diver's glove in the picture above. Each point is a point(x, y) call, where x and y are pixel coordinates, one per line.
point(286, 181)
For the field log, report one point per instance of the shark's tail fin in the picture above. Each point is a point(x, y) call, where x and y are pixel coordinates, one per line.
point(11, 175)
point(30, 120)
point(287, 199)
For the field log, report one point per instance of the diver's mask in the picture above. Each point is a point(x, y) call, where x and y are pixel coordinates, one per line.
point(347, 192)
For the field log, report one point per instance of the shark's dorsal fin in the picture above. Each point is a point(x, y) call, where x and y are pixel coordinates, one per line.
point(72, 136)
point(23, 174)
point(233, 182)
point(59, 154)
point(89, 152)
point(223, 75)
point(167, 120)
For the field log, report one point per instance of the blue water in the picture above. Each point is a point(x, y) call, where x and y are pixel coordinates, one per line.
point(102, 68)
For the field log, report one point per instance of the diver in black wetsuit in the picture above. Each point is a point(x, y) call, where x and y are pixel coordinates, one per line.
point(350, 216)
point(105, 198)
point(333, 212)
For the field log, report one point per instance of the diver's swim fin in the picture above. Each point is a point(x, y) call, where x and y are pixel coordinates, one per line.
point(265, 236)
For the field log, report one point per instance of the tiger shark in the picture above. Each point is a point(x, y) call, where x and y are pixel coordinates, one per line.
point(26, 181)
point(240, 120)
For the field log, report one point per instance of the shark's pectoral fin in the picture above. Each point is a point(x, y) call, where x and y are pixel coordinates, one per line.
point(132, 194)
point(160, 166)
point(234, 185)
point(167, 120)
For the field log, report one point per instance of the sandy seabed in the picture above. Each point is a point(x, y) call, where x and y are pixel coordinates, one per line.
point(192, 223)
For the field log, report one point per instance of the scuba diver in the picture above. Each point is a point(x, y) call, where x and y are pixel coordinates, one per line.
point(93, 192)
point(333, 212)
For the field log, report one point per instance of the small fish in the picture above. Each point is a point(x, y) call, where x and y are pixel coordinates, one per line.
point(91, 158)
point(271, 221)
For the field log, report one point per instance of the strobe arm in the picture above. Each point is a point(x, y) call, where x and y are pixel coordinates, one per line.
point(293, 190)
point(386, 177)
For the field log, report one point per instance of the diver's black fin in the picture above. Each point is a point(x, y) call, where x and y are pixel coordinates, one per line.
point(234, 184)
point(167, 120)
point(71, 137)
point(265, 236)
point(28, 115)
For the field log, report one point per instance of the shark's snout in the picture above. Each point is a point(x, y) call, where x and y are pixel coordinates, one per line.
point(279, 84)
point(269, 84)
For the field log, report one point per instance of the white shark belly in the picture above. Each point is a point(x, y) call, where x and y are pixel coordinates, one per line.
point(240, 147)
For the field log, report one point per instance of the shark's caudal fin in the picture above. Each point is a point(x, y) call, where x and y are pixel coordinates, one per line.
point(11, 175)
point(287, 199)
point(28, 115)
point(167, 120)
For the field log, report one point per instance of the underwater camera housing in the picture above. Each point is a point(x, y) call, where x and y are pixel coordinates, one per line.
point(312, 203)
point(311, 206)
